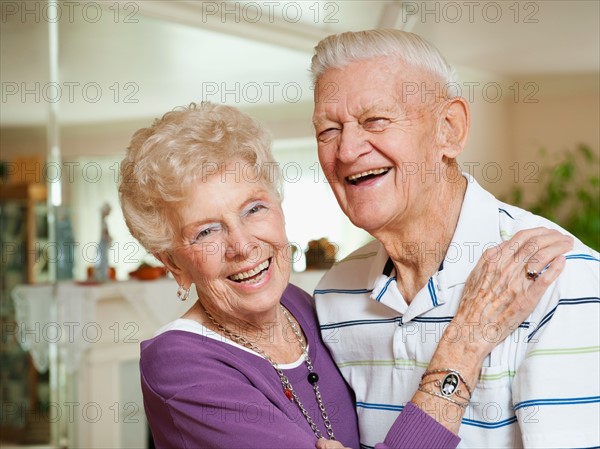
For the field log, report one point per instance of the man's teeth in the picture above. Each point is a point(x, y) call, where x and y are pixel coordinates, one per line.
point(250, 273)
point(377, 171)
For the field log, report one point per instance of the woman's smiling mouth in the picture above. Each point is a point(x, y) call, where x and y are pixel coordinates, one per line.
point(252, 276)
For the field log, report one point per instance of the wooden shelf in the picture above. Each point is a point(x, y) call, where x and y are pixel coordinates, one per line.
point(30, 194)
point(22, 206)
point(25, 191)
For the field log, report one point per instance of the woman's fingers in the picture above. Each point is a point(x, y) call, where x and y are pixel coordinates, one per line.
point(534, 246)
point(323, 443)
point(540, 250)
point(548, 275)
point(525, 257)
point(500, 291)
point(540, 261)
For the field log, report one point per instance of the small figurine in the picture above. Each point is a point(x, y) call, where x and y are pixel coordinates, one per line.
point(320, 254)
point(101, 273)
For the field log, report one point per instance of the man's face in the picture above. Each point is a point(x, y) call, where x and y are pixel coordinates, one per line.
point(376, 135)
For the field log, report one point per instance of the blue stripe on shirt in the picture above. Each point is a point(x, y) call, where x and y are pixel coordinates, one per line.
point(431, 288)
point(557, 401)
point(581, 256)
point(433, 319)
point(388, 407)
point(335, 290)
point(448, 319)
point(562, 302)
point(384, 289)
point(465, 421)
point(397, 319)
point(506, 212)
point(489, 425)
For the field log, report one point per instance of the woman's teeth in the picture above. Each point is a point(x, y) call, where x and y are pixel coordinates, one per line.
point(244, 278)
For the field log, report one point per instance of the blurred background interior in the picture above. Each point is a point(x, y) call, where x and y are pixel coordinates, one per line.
point(78, 78)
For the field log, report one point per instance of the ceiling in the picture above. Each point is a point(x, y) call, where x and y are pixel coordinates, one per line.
point(143, 58)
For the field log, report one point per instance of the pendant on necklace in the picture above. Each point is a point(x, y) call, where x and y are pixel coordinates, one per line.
point(288, 394)
point(313, 378)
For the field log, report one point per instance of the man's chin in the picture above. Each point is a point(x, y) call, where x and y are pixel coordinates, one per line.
point(368, 221)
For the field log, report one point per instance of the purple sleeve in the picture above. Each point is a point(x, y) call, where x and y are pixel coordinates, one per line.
point(415, 429)
point(214, 415)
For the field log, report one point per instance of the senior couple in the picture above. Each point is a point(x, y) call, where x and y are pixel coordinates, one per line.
point(399, 348)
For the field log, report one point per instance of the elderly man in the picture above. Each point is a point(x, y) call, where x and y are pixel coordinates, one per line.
point(389, 130)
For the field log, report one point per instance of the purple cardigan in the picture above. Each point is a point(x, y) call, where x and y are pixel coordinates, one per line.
point(203, 393)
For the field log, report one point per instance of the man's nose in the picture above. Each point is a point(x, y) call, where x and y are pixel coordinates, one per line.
point(353, 143)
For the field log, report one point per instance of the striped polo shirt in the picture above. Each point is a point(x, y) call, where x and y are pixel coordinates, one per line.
point(539, 388)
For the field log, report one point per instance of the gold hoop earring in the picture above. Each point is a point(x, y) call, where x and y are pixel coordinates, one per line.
point(183, 293)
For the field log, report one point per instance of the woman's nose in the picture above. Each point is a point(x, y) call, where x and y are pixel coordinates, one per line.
point(241, 243)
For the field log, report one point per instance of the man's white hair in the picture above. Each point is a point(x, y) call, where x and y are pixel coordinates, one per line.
point(339, 50)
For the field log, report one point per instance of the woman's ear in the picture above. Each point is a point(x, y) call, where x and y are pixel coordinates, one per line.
point(170, 264)
point(454, 127)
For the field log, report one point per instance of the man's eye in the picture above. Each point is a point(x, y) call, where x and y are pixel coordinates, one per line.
point(375, 123)
point(328, 134)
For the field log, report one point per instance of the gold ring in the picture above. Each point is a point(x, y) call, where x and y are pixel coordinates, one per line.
point(531, 274)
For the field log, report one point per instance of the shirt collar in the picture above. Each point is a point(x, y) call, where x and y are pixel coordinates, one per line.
point(478, 229)
point(377, 266)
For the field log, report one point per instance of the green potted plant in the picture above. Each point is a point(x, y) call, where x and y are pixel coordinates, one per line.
point(570, 194)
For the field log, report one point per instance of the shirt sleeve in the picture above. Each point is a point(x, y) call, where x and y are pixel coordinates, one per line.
point(226, 413)
point(415, 429)
point(556, 390)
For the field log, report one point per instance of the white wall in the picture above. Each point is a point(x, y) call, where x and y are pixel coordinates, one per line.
point(567, 114)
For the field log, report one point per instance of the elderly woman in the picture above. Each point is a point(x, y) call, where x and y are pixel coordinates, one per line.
point(245, 366)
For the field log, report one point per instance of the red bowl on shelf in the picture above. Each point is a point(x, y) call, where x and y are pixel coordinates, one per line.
point(112, 274)
point(148, 273)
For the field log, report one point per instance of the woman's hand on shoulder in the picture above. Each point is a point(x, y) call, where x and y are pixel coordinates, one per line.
point(500, 294)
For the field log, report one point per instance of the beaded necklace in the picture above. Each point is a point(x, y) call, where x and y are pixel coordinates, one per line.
point(288, 389)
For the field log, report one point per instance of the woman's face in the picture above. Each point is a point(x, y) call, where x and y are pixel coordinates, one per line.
point(233, 244)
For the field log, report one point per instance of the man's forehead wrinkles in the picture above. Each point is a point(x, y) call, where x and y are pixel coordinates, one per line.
point(319, 120)
point(384, 105)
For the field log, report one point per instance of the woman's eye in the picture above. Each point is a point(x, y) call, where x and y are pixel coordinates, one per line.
point(256, 208)
point(205, 233)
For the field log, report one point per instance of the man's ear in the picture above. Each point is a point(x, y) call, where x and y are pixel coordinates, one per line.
point(170, 264)
point(454, 127)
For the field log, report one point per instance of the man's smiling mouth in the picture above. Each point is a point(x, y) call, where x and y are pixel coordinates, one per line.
point(366, 175)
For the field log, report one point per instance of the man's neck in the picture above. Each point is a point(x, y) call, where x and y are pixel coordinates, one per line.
point(418, 246)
